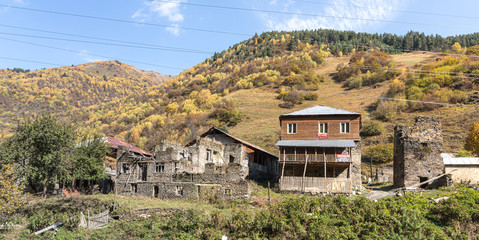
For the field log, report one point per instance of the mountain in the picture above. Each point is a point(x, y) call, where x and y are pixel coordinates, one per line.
point(71, 91)
point(246, 87)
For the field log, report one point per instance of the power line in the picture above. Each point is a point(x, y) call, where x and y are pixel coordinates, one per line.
point(315, 15)
point(90, 54)
point(124, 21)
point(101, 43)
point(31, 61)
point(107, 39)
point(392, 10)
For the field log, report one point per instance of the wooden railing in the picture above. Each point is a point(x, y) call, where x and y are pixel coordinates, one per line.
point(311, 157)
point(315, 184)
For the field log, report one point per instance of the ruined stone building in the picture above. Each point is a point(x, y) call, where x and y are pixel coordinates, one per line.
point(417, 152)
point(214, 163)
point(320, 150)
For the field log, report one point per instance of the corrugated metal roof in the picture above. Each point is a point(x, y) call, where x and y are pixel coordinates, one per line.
point(449, 159)
point(316, 143)
point(115, 142)
point(320, 110)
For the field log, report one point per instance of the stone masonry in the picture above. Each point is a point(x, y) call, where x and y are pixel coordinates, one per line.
point(417, 152)
point(214, 164)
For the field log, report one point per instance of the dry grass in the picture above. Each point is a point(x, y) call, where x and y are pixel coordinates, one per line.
point(260, 106)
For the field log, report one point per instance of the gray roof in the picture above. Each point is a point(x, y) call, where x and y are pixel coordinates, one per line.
point(449, 159)
point(320, 110)
point(316, 143)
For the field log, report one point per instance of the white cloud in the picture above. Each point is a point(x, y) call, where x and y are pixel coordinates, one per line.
point(170, 9)
point(174, 29)
point(343, 15)
point(89, 58)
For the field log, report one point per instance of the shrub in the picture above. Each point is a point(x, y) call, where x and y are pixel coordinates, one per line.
point(310, 96)
point(372, 128)
point(380, 153)
point(356, 82)
point(227, 113)
point(386, 110)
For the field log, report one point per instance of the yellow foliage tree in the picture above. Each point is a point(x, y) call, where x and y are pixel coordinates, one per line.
point(11, 194)
point(456, 47)
point(472, 140)
point(172, 108)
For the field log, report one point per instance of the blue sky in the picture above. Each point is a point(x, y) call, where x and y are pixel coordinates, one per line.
point(18, 40)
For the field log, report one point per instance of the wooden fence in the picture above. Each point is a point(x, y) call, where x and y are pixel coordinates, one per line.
point(315, 184)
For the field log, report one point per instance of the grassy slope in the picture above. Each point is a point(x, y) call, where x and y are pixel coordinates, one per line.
point(261, 125)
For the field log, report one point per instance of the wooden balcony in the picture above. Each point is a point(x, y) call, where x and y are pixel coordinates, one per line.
point(311, 158)
point(315, 184)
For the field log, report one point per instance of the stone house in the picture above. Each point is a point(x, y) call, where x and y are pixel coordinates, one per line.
point(320, 150)
point(417, 152)
point(215, 163)
point(467, 168)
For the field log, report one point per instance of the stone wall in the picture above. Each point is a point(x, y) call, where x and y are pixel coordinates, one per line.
point(464, 174)
point(417, 152)
point(356, 165)
point(206, 168)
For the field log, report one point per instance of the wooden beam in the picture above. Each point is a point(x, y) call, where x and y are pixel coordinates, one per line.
point(284, 162)
point(305, 165)
point(324, 158)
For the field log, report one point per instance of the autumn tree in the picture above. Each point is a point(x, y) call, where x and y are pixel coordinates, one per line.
point(11, 193)
point(472, 140)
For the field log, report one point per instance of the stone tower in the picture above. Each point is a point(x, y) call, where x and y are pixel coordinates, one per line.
point(417, 152)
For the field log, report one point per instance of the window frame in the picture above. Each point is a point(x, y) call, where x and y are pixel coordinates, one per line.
point(346, 128)
point(324, 124)
point(289, 128)
point(159, 167)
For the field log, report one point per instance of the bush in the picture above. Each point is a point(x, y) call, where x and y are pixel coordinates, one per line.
point(386, 110)
point(372, 128)
point(310, 96)
point(380, 153)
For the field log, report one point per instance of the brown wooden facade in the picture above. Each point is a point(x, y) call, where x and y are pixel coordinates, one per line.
point(307, 127)
point(318, 167)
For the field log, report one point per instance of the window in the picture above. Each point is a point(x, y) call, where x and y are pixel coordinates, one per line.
point(160, 167)
point(232, 159)
point(126, 168)
point(323, 128)
point(291, 127)
point(208, 155)
point(344, 127)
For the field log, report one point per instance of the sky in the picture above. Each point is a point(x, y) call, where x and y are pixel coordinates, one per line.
point(169, 36)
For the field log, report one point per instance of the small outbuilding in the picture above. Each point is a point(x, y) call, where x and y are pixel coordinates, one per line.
point(467, 168)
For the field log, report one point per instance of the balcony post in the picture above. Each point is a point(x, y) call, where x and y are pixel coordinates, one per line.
point(305, 165)
point(324, 158)
point(284, 163)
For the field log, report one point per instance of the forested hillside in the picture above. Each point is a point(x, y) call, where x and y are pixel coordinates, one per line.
point(285, 71)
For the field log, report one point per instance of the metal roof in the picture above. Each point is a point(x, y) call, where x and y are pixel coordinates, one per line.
point(449, 159)
point(320, 110)
point(115, 142)
point(316, 143)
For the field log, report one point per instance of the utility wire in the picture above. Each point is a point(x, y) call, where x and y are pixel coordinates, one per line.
point(392, 10)
point(23, 60)
point(124, 21)
point(107, 39)
point(91, 54)
point(316, 15)
point(167, 48)
point(101, 43)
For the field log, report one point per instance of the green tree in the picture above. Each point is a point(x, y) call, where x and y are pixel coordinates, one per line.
point(42, 149)
point(88, 160)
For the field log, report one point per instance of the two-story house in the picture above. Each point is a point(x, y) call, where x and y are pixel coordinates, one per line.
point(320, 150)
